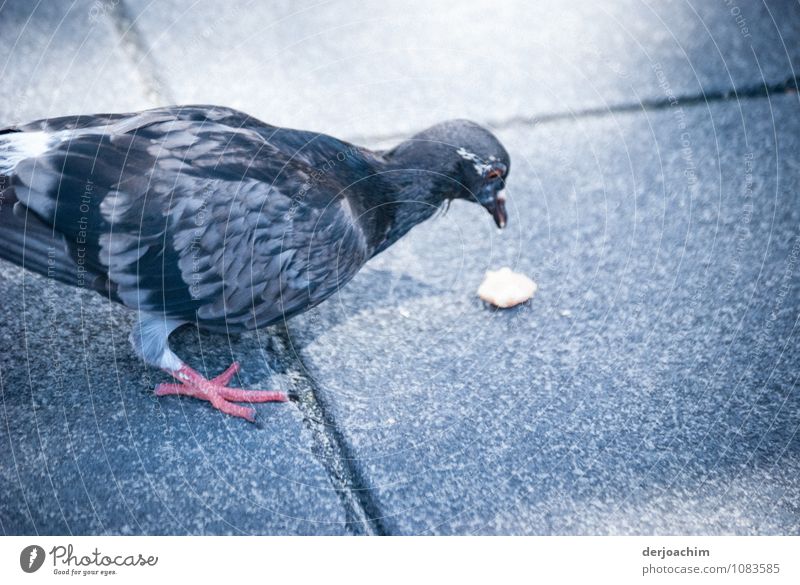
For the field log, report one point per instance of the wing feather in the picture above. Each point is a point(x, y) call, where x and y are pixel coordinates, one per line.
point(202, 214)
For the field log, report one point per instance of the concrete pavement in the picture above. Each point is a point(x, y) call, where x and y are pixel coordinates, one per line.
point(649, 388)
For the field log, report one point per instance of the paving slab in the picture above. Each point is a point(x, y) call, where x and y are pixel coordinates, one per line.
point(373, 68)
point(650, 387)
point(59, 58)
point(85, 447)
point(88, 449)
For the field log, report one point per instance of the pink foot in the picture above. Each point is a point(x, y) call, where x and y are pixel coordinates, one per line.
point(217, 392)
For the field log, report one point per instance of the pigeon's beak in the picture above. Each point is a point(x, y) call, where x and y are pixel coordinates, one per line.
point(496, 205)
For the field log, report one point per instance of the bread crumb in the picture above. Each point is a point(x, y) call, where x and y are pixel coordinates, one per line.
point(505, 288)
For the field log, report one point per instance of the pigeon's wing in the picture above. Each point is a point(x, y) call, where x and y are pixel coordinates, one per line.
point(192, 213)
point(300, 252)
point(270, 252)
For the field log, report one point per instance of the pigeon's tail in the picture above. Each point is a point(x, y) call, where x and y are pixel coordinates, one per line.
point(16, 146)
point(11, 150)
point(27, 238)
point(29, 242)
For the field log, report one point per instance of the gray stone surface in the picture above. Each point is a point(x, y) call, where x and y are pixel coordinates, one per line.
point(85, 447)
point(651, 384)
point(365, 68)
point(59, 58)
point(88, 449)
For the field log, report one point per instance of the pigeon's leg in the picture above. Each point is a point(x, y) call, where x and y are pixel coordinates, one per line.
point(150, 340)
point(216, 392)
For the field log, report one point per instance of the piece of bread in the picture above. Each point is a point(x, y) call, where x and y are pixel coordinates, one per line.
point(505, 288)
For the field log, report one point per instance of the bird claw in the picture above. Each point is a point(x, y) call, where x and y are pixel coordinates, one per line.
point(226, 376)
point(217, 392)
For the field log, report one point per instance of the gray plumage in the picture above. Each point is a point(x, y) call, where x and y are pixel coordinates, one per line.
point(205, 215)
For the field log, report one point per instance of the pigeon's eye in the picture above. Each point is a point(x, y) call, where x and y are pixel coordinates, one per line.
point(494, 174)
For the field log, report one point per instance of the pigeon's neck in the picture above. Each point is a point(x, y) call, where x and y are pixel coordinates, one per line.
point(419, 193)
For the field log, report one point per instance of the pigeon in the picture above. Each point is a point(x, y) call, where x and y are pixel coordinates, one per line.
point(205, 215)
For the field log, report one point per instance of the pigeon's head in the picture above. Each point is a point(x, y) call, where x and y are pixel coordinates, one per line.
point(483, 168)
point(475, 163)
